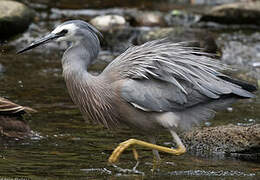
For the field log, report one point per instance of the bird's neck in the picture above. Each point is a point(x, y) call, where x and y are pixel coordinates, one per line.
point(75, 62)
point(79, 56)
point(90, 93)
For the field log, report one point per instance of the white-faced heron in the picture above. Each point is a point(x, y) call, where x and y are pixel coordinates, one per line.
point(159, 85)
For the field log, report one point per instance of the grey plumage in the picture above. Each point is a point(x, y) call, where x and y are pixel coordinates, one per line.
point(158, 85)
point(158, 76)
point(162, 76)
point(173, 63)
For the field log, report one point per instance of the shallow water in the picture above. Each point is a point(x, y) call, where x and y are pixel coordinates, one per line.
point(65, 147)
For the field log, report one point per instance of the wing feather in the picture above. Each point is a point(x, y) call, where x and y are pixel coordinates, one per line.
point(164, 76)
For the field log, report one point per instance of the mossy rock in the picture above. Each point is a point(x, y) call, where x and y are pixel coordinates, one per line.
point(15, 17)
point(234, 13)
point(237, 141)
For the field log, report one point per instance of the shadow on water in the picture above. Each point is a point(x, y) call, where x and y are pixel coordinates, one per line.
point(65, 147)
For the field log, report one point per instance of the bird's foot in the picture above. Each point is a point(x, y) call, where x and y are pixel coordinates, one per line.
point(118, 151)
point(124, 145)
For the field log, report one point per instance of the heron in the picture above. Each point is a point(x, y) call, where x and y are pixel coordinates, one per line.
point(154, 87)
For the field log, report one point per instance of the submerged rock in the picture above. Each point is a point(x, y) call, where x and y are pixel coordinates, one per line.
point(238, 141)
point(13, 128)
point(11, 122)
point(196, 37)
point(235, 13)
point(14, 18)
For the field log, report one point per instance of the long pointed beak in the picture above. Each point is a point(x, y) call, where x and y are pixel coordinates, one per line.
point(43, 40)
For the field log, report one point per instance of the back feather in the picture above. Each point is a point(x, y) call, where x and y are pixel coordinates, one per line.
point(175, 63)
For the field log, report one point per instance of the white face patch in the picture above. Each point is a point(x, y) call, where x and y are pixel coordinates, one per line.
point(69, 35)
point(70, 27)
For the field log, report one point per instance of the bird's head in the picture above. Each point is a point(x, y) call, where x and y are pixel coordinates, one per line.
point(71, 31)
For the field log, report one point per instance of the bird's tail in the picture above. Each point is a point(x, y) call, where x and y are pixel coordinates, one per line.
point(246, 86)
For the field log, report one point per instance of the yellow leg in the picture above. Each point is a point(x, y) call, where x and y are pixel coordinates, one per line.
point(135, 154)
point(126, 144)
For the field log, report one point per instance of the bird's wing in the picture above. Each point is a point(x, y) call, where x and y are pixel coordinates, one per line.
point(175, 64)
point(160, 96)
point(162, 76)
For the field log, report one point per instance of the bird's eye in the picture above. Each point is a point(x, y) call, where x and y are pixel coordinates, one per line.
point(63, 32)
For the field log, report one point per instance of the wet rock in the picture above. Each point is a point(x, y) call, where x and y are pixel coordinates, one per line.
point(108, 22)
point(235, 13)
point(33, 33)
point(183, 18)
point(148, 18)
point(234, 140)
point(103, 59)
point(116, 32)
point(12, 124)
point(119, 40)
point(87, 14)
point(115, 40)
point(256, 64)
point(14, 18)
point(241, 50)
point(196, 37)
point(13, 127)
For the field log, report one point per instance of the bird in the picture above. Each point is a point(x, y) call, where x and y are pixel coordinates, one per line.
point(11, 123)
point(154, 87)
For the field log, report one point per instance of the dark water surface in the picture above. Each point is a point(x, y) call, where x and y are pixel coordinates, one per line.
point(65, 147)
